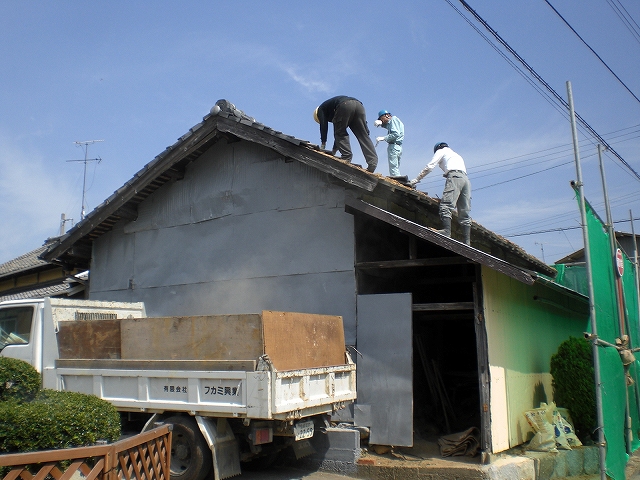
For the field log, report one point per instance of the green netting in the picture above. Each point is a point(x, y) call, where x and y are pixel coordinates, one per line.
point(615, 392)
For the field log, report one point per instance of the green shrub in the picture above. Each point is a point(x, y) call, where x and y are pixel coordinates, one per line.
point(18, 379)
point(55, 420)
point(574, 385)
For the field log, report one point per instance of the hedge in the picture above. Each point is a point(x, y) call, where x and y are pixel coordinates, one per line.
point(53, 420)
point(18, 380)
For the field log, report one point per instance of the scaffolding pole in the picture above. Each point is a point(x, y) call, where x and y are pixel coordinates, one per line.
point(592, 308)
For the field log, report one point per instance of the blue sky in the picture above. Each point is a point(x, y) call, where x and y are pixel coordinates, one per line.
point(138, 75)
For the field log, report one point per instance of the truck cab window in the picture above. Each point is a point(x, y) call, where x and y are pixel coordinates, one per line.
point(15, 326)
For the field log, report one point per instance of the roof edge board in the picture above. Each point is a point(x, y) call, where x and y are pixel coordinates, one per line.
point(448, 243)
point(120, 197)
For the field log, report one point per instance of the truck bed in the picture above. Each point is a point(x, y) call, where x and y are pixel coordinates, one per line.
point(243, 392)
point(274, 365)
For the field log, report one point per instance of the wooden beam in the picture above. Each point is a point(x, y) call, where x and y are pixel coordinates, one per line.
point(440, 307)
point(421, 262)
point(430, 235)
point(127, 213)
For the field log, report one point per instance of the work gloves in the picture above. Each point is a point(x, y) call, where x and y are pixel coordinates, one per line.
point(380, 139)
point(377, 123)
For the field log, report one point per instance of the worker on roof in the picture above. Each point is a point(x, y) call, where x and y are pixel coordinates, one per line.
point(394, 137)
point(457, 189)
point(346, 112)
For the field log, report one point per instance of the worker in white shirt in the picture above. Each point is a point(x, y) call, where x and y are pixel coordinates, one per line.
point(457, 189)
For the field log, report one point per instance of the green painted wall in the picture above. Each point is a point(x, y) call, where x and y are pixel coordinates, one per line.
point(525, 325)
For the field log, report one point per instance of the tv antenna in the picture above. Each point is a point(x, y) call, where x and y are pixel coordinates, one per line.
point(542, 249)
point(85, 146)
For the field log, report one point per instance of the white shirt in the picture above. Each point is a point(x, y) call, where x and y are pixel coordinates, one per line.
point(446, 159)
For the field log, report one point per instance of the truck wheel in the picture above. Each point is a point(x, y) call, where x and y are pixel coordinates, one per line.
point(190, 454)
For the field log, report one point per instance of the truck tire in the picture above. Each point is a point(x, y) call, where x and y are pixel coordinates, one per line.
point(190, 454)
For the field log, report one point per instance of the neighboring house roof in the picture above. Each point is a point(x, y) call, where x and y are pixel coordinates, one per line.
point(225, 121)
point(625, 240)
point(30, 261)
point(30, 264)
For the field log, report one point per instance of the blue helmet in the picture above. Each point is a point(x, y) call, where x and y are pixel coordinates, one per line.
point(382, 112)
point(438, 146)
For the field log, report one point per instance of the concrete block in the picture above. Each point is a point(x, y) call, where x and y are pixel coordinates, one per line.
point(512, 468)
point(591, 460)
point(575, 461)
point(544, 464)
point(343, 438)
point(344, 445)
point(560, 468)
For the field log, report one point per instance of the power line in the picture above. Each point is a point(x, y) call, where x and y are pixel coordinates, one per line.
point(592, 50)
point(524, 176)
point(561, 229)
point(535, 74)
point(626, 19)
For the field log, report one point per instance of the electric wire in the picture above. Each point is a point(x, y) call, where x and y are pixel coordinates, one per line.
point(561, 229)
point(554, 94)
point(537, 158)
point(592, 50)
point(626, 19)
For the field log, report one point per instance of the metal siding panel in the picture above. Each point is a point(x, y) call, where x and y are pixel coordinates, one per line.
point(322, 293)
point(242, 232)
point(385, 371)
point(312, 240)
point(112, 261)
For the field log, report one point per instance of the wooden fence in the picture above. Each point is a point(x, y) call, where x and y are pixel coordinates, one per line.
point(143, 457)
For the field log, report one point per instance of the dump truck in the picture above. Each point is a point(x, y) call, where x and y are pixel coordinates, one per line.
point(237, 388)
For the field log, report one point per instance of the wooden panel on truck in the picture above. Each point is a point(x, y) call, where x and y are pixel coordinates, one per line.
point(97, 339)
point(302, 340)
point(209, 337)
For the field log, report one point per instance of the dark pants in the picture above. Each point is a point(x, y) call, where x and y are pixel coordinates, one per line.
point(351, 114)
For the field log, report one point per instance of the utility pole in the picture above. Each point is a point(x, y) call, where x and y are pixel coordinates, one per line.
point(63, 220)
point(85, 145)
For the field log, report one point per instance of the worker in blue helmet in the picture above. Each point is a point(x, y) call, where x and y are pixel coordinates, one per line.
point(394, 138)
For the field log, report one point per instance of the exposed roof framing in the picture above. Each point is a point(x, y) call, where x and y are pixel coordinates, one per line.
point(424, 233)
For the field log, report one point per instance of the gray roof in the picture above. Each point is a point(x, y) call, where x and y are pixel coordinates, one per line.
point(27, 262)
point(225, 121)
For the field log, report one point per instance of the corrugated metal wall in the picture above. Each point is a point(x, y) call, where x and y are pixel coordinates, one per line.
point(242, 232)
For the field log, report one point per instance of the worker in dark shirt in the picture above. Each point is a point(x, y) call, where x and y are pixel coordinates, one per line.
point(346, 112)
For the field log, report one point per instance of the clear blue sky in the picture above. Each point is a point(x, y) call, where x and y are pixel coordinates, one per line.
point(138, 75)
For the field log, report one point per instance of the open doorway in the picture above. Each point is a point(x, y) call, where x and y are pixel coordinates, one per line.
point(445, 374)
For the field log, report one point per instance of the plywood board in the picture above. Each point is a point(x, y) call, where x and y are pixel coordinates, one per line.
point(208, 337)
point(302, 340)
point(89, 339)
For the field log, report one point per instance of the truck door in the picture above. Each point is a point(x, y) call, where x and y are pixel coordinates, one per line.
point(20, 335)
point(384, 368)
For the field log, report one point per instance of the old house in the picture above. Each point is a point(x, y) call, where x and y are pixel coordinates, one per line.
point(28, 276)
point(238, 218)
